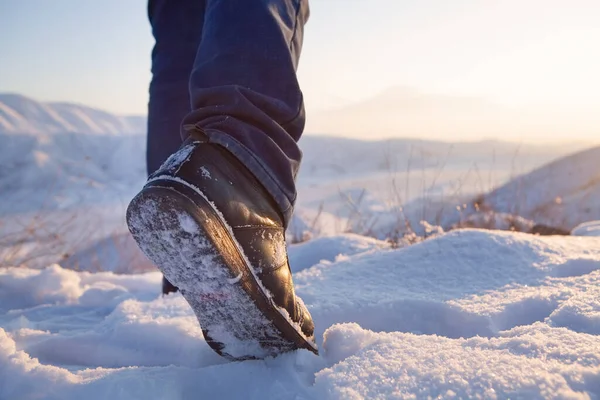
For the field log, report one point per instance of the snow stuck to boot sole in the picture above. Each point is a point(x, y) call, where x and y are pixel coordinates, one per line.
point(186, 237)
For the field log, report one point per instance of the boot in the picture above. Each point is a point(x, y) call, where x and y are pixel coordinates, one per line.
point(218, 236)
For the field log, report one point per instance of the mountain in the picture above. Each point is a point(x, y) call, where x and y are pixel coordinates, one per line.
point(342, 156)
point(403, 111)
point(20, 114)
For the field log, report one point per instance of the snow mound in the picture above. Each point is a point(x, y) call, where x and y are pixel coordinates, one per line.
point(466, 314)
point(462, 284)
point(590, 228)
point(330, 248)
point(534, 362)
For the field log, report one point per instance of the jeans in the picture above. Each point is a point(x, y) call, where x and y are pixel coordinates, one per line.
point(228, 67)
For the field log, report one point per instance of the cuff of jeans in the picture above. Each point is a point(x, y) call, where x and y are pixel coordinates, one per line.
point(257, 168)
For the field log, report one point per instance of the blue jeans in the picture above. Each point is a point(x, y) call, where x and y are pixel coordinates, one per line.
point(229, 68)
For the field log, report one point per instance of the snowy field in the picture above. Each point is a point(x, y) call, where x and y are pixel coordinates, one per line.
point(467, 314)
point(464, 314)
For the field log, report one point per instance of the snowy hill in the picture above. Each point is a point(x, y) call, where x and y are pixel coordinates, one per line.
point(470, 314)
point(20, 114)
point(56, 155)
point(563, 193)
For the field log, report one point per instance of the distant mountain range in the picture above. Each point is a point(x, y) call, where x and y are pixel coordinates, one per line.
point(404, 111)
point(396, 112)
point(20, 114)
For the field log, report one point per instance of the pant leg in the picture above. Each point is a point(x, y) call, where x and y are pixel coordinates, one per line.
point(244, 90)
point(177, 29)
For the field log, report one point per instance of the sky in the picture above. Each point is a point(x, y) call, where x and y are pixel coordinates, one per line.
point(524, 54)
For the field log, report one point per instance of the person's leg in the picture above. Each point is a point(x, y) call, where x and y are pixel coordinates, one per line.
point(244, 91)
point(177, 30)
point(213, 216)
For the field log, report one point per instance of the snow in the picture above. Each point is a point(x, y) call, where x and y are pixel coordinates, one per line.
point(590, 228)
point(20, 114)
point(523, 364)
point(563, 193)
point(330, 248)
point(466, 314)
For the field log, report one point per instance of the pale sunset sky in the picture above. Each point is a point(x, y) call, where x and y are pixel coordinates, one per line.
point(523, 54)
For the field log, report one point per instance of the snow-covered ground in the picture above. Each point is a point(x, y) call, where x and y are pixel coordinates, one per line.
point(466, 314)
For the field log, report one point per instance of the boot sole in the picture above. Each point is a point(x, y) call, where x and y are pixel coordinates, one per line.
point(187, 238)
